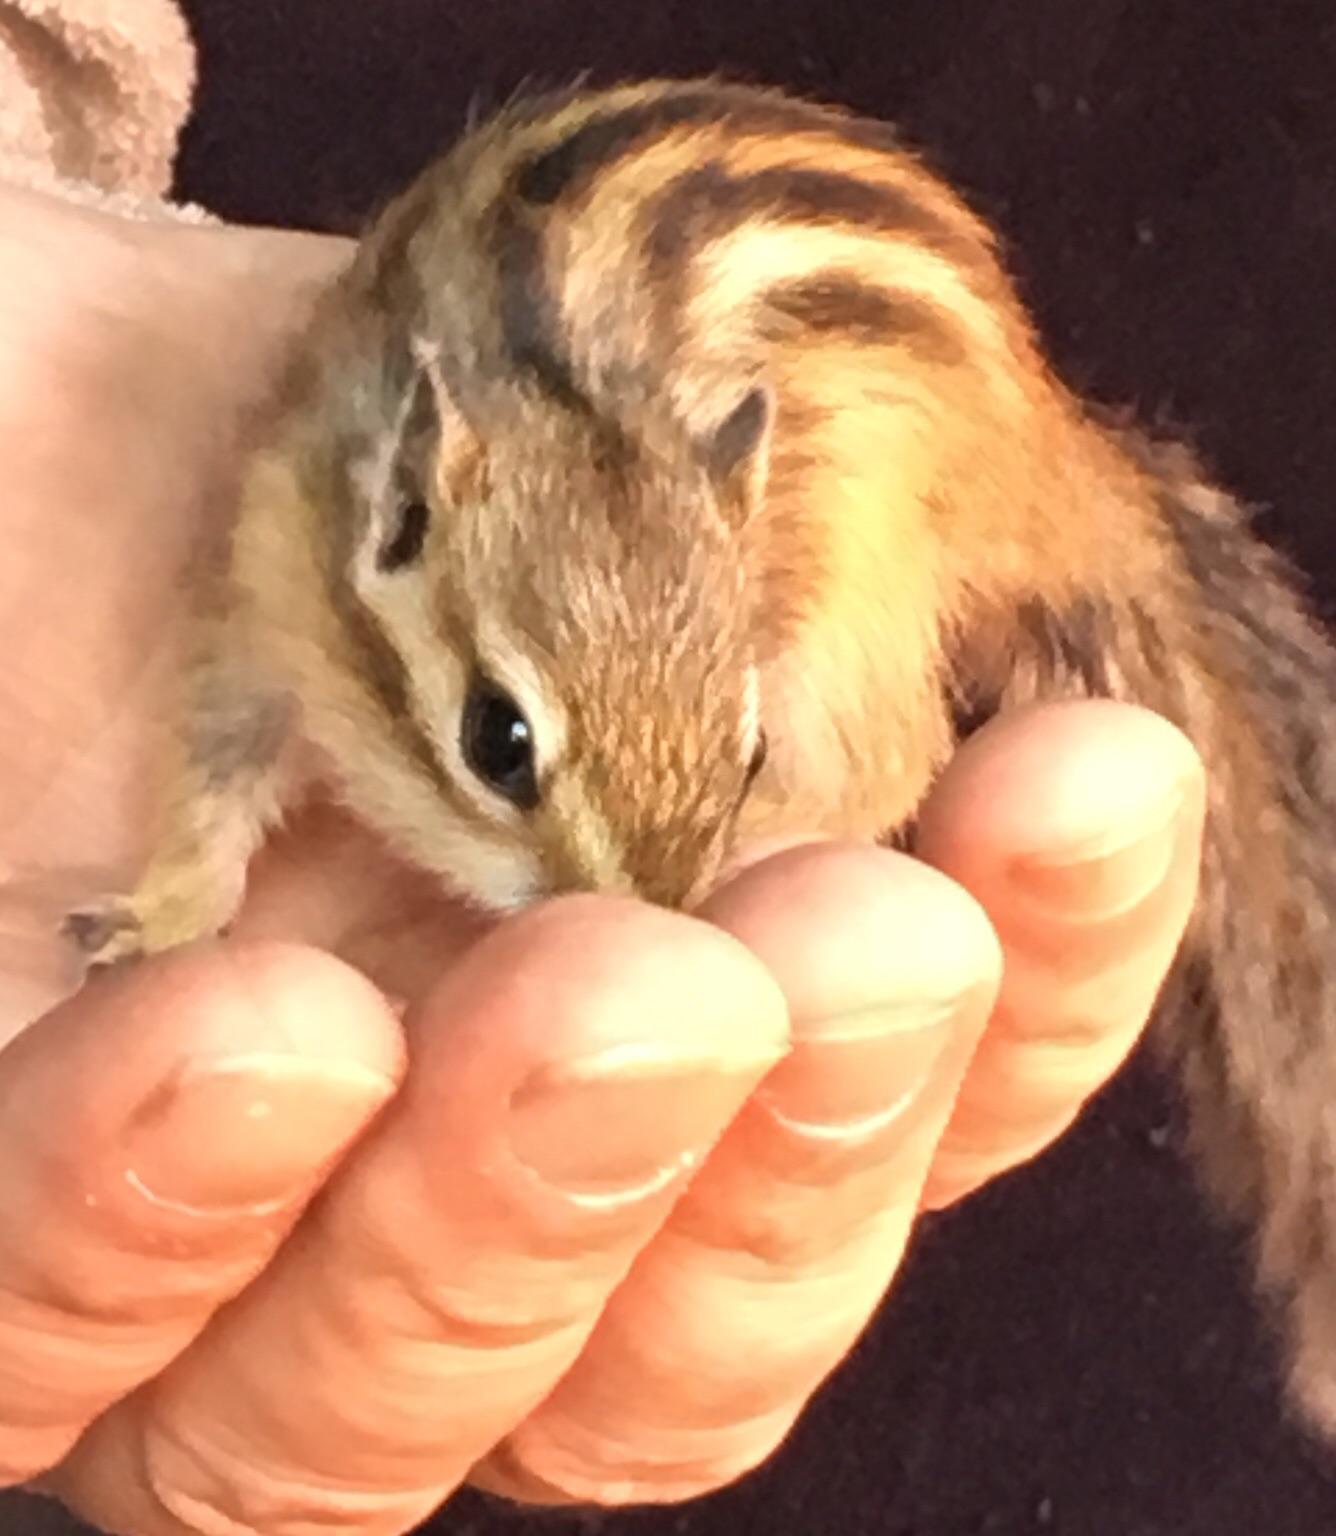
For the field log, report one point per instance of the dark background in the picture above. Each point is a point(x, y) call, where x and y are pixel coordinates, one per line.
point(1071, 1352)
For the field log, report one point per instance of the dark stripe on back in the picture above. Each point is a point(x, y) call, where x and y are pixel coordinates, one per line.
point(706, 203)
point(530, 318)
point(838, 303)
point(571, 165)
point(532, 332)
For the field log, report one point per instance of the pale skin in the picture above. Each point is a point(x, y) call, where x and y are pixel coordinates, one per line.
point(604, 1192)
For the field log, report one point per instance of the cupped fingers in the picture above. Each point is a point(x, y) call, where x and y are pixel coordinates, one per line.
point(159, 1133)
point(568, 1077)
point(780, 1251)
point(1079, 829)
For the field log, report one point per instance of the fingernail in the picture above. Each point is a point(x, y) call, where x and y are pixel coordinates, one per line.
point(625, 1125)
point(248, 1132)
point(849, 1077)
point(1107, 875)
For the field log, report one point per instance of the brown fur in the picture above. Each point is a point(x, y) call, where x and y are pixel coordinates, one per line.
point(712, 394)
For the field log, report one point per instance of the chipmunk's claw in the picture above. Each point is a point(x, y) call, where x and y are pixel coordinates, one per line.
point(107, 935)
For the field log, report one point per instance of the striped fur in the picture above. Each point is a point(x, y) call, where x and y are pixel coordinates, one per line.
point(709, 422)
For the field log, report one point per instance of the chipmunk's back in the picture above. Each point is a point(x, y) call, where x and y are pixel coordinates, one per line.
point(644, 256)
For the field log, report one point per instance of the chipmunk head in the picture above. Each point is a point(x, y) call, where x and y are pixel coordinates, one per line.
point(566, 605)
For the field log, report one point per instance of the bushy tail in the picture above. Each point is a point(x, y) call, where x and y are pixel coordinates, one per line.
point(1228, 650)
point(1251, 1013)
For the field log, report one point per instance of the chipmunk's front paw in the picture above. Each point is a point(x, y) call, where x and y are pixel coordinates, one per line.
point(106, 934)
point(123, 928)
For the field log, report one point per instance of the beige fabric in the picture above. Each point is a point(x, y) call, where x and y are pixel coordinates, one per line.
point(93, 94)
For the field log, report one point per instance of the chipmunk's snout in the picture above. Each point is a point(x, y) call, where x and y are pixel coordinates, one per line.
point(672, 867)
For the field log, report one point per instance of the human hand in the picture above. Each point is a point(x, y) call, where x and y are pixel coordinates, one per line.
point(647, 1175)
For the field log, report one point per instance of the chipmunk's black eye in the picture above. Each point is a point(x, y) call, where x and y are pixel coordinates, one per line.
point(405, 544)
point(497, 744)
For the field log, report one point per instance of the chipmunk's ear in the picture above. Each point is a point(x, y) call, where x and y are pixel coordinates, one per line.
point(438, 459)
point(456, 448)
point(737, 453)
point(459, 458)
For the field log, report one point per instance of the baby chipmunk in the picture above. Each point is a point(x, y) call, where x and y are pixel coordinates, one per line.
point(675, 465)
